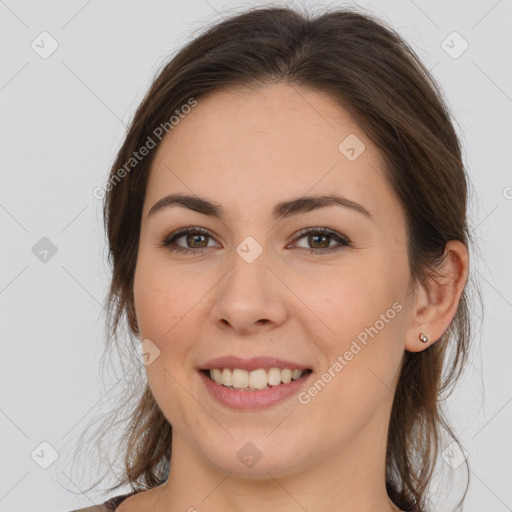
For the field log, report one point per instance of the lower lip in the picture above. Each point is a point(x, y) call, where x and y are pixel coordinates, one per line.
point(252, 399)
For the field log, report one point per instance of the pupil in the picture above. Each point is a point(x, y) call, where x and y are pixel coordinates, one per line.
point(320, 236)
point(196, 237)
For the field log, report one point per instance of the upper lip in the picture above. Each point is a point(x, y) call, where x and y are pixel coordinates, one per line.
point(252, 363)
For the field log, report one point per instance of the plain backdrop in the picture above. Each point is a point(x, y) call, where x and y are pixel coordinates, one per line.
point(71, 78)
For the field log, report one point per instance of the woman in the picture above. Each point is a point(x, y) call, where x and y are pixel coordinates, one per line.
point(287, 226)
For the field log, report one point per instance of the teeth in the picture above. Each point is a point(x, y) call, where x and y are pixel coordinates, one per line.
point(256, 379)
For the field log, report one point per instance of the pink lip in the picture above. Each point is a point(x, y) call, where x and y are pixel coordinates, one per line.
point(252, 399)
point(253, 363)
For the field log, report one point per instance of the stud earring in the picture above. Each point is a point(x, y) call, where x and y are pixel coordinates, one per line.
point(423, 337)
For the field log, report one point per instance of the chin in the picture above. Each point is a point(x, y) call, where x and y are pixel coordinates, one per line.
point(257, 460)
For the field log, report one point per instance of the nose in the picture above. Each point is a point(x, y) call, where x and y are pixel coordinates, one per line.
point(250, 298)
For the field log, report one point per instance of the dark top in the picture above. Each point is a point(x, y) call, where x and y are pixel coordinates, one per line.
point(113, 503)
point(109, 506)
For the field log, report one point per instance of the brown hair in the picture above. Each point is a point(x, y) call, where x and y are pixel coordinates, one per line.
point(370, 70)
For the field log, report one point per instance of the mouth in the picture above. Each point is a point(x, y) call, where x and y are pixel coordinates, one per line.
point(239, 379)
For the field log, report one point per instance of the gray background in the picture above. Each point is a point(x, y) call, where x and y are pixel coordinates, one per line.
point(63, 118)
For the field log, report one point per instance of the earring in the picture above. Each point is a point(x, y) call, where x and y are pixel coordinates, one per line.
point(423, 337)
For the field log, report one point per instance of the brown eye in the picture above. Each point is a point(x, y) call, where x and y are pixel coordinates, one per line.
point(319, 239)
point(196, 238)
point(315, 239)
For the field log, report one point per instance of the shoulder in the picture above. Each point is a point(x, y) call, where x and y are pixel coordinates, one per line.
point(132, 501)
point(95, 508)
point(111, 505)
point(139, 500)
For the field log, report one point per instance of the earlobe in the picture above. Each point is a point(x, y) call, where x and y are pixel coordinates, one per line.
point(436, 302)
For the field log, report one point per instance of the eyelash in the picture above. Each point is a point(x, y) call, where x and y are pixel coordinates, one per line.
point(342, 240)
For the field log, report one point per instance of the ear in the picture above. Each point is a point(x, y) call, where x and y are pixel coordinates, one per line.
point(435, 304)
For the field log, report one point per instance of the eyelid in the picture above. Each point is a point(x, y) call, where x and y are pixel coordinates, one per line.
point(171, 237)
point(324, 231)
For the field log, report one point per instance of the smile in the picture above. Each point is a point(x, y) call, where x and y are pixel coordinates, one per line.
point(246, 397)
point(261, 378)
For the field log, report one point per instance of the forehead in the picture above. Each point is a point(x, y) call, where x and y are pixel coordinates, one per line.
point(241, 145)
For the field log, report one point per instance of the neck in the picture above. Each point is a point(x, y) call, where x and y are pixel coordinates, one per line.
point(350, 478)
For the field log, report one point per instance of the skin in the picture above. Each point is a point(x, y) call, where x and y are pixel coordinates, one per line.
point(233, 148)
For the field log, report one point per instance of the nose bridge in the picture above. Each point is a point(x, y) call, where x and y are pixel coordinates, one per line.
point(248, 274)
point(247, 294)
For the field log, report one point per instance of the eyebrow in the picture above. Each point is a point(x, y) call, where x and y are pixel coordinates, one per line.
point(280, 210)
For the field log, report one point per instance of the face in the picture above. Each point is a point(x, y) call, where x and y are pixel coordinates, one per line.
point(250, 281)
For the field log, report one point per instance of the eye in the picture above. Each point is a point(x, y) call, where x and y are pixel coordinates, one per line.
point(195, 236)
point(320, 238)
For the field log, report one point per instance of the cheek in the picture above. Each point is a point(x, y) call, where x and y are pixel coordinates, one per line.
point(360, 332)
point(171, 304)
point(164, 308)
point(162, 297)
point(347, 300)
point(358, 376)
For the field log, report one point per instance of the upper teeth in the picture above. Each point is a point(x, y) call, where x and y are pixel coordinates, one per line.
point(256, 379)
